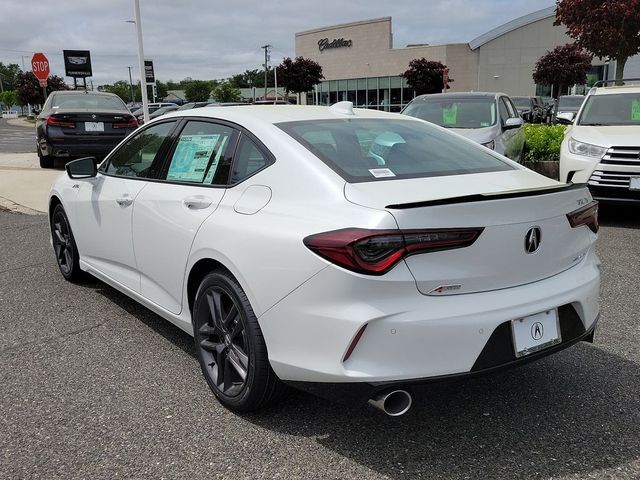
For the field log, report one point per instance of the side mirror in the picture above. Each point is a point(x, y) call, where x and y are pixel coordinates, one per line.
point(82, 168)
point(566, 118)
point(513, 123)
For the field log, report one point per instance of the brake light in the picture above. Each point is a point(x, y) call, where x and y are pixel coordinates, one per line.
point(130, 123)
point(57, 122)
point(375, 252)
point(587, 215)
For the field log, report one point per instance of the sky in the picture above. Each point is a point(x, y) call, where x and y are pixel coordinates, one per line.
point(211, 39)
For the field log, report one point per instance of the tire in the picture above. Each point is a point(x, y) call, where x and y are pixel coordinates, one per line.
point(230, 346)
point(46, 161)
point(64, 246)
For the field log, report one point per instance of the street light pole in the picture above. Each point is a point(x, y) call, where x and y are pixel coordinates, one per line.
point(143, 78)
point(266, 63)
point(133, 100)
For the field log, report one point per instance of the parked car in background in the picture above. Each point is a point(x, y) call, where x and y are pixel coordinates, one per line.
point(489, 119)
point(79, 124)
point(602, 146)
point(529, 109)
point(152, 108)
point(226, 104)
point(568, 107)
point(294, 257)
point(162, 110)
point(190, 105)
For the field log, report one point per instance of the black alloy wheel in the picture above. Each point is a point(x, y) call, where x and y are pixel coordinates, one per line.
point(230, 346)
point(64, 245)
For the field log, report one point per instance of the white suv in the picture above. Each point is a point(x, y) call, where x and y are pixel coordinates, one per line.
point(602, 146)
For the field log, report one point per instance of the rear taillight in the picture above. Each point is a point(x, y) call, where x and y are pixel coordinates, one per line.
point(587, 215)
point(375, 252)
point(58, 122)
point(130, 123)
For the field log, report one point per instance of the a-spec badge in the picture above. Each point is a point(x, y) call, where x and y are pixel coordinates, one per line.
point(443, 289)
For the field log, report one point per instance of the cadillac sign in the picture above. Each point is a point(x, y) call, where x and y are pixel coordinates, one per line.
point(324, 43)
point(77, 63)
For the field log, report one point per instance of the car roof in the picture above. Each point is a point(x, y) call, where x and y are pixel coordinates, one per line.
point(613, 89)
point(461, 95)
point(282, 113)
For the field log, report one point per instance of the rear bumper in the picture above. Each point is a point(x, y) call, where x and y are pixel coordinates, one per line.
point(411, 336)
point(497, 355)
point(89, 146)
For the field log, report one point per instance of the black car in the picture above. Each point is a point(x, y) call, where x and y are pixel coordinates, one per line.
point(81, 124)
point(530, 109)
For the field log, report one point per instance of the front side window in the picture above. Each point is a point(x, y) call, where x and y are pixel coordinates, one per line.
point(199, 156)
point(363, 150)
point(135, 157)
point(455, 113)
point(611, 109)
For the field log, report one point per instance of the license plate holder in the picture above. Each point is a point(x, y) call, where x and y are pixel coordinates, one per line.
point(94, 126)
point(535, 332)
point(634, 183)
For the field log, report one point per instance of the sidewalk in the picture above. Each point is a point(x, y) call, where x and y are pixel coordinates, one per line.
point(24, 186)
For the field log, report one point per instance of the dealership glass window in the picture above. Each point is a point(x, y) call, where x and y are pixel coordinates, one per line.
point(362, 92)
point(352, 91)
point(333, 92)
point(342, 90)
point(384, 97)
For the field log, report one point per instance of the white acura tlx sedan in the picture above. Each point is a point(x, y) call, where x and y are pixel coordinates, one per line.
point(348, 253)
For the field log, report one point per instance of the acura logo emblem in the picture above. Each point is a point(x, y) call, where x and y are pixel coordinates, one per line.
point(537, 331)
point(532, 240)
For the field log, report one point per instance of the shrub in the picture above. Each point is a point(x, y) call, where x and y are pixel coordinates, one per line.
point(542, 142)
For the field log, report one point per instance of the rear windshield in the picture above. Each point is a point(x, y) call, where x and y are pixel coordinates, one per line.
point(574, 102)
point(88, 102)
point(521, 102)
point(611, 109)
point(455, 113)
point(364, 150)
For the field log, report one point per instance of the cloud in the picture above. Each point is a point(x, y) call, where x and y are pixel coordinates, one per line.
point(207, 39)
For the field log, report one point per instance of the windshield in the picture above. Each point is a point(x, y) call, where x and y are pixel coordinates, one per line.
point(363, 150)
point(458, 113)
point(521, 102)
point(611, 109)
point(89, 102)
point(571, 102)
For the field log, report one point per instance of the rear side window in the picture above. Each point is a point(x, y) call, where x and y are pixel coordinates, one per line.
point(135, 157)
point(199, 156)
point(249, 159)
point(363, 150)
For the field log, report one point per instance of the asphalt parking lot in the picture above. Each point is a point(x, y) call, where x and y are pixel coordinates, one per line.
point(17, 136)
point(96, 386)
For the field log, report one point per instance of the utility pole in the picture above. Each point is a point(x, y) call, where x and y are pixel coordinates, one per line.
point(266, 64)
point(131, 85)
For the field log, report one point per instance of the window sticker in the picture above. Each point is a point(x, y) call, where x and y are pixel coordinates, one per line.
point(381, 172)
point(450, 114)
point(635, 110)
point(191, 158)
point(484, 124)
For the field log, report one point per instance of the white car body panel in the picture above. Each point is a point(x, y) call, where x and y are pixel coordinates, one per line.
point(308, 308)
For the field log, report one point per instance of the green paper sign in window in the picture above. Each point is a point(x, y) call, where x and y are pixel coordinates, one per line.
point(635, 110)
point(449, 115)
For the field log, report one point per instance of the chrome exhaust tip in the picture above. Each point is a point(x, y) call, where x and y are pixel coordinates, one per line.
point(392, 402)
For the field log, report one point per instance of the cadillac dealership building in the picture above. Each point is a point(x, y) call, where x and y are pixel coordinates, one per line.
point(360, 64)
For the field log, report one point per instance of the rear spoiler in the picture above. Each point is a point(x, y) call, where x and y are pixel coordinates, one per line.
point(483, 197)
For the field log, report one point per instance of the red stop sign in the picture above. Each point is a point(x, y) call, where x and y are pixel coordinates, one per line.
point(40, 66)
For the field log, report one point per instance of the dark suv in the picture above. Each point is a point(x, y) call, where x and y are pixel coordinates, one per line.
point(80, 124)
point(530, 109)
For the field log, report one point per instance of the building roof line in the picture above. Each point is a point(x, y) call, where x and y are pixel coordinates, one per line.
point(512, 25)
point(343, 25)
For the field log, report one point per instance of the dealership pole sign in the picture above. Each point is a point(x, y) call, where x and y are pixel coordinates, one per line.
point(149, 75)
point(77, 63)
point(325, 43)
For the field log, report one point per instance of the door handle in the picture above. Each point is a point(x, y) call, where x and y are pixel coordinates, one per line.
point(197, 202)
point(124, 201)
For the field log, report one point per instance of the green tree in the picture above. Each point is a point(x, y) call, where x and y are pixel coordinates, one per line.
point(8, 98)
point(198, 91)
point(120, 88)
point(299, 75)
point(606, 28)
point(8, 75)
point(225, 92)
point(425, 76)
point(562, 67)
point(29, 91)
point(252, 78)
point(161, 90)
